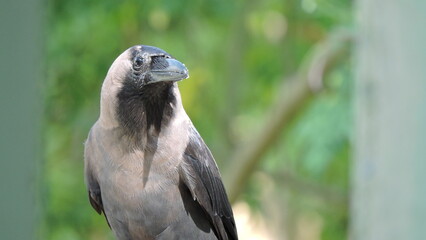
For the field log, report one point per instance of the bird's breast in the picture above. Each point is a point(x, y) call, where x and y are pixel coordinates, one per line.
point(144, 204)
point(140, 184)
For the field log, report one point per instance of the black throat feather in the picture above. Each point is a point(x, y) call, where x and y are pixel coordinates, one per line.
point(141, 108)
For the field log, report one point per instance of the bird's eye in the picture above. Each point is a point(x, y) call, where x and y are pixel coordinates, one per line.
point(167, 56)
point(138, 62)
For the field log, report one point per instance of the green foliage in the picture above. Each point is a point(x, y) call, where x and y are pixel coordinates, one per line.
point(237, 54)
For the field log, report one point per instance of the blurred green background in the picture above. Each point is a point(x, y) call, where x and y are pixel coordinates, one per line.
point(314, 110)
point(243, 57)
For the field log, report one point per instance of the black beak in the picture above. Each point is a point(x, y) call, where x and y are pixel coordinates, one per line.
point(175, 71)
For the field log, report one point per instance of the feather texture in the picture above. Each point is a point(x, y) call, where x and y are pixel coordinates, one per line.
point(202, 177)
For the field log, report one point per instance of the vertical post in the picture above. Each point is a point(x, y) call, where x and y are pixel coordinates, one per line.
point(20, 74)
point(389, 174)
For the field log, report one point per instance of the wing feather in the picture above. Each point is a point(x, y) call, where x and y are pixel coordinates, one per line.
point(201, 175)
point(93, 188)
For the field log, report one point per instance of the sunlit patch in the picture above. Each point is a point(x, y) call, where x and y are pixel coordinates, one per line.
point(309, 226)
point(249, 225)
point(309, 6)
point(274, 26)
point(159, 19)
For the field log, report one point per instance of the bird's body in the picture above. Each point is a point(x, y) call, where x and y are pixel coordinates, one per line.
point(147, 169)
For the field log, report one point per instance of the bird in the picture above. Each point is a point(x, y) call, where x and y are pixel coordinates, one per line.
point(146, 167)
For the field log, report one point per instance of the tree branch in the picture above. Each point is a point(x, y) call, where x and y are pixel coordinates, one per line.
point(328, 194)
point(293, 94)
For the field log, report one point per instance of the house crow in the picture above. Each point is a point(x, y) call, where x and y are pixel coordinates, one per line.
point(146, 167)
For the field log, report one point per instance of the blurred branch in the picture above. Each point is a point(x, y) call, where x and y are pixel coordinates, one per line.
point(328, 194)
point(293, 94)
point(235, 49)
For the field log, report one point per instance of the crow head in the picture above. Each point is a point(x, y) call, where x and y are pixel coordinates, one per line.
point(152, 65)
point(139, 87)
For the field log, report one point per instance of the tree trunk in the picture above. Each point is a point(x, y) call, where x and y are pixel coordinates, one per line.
point(20, 68)
point(389, 174)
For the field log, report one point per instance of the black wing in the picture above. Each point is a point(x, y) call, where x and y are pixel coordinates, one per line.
point(93, 188)
point(95, 199)
point(201, 175)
